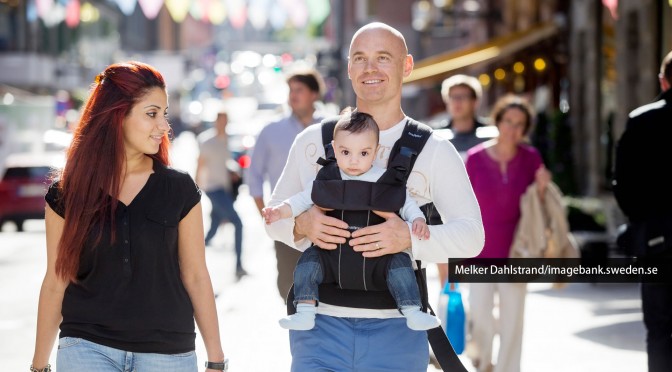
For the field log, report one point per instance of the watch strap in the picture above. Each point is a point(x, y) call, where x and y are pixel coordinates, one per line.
point(220, 366)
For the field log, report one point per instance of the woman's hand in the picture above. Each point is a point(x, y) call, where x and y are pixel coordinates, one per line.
point(542, 178)
point(389, 237)
point(324, 231)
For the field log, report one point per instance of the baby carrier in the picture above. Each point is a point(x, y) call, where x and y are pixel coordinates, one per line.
point(350, 279)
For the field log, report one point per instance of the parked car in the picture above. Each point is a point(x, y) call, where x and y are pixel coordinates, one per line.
point(23, 185)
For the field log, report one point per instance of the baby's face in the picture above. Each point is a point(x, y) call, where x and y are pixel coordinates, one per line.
point(355, 152)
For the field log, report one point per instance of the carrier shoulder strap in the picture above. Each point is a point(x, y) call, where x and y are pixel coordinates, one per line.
point(405, 151)
point(328, 126)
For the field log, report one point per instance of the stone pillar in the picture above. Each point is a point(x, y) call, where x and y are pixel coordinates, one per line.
point(636, 58)
point(585, 95)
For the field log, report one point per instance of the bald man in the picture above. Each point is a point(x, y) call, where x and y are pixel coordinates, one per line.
point(352, 337)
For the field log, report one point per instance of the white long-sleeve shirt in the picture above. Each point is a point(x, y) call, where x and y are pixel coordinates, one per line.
point(438, 176)
point(302, 201)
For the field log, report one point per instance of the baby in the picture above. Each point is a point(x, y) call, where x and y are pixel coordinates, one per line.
point(355, 144)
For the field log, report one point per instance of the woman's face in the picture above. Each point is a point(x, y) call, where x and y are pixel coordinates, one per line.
point(147, 123)
point(512, 126)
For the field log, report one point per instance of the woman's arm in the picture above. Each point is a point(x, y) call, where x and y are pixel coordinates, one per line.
point(196, 280)
point(51, 294)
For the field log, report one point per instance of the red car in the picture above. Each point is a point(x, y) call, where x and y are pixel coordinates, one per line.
point(23, 185)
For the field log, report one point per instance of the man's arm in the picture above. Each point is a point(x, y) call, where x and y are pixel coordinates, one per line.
point(410, 211)
point(625, 171)
point(259, 201)
point(257, 170)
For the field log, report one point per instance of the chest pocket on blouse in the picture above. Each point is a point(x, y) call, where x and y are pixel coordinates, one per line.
point(166, 224)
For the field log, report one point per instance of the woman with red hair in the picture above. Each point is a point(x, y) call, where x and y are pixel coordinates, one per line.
point(126, 273)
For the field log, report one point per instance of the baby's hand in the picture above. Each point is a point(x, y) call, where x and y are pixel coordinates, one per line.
point(420, 229)
point(270, 214)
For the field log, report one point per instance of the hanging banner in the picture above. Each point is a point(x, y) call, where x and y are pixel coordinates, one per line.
point(150, 8)
point(216, 12)
point(178, 9)
point(278, 16)
point(237, 13)
point(55, 15)
point(44, 7)
point(31, 11)
point(298, 13)
point(258, 13)
point(72, 14)
point(318, 11)
point(127, 6)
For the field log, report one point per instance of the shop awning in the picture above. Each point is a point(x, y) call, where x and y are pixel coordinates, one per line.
point(437, 67)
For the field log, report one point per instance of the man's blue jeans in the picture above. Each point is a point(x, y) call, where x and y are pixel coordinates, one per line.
point(222, 209)
point(358, 344)
point(401, 281)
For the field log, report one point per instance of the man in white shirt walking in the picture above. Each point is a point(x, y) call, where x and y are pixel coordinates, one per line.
point(377, 339)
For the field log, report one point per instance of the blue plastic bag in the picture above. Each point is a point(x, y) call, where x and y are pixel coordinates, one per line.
point(455, 318)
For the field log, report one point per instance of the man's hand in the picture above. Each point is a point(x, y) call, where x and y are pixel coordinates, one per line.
point(324, 231)
point(389, 237)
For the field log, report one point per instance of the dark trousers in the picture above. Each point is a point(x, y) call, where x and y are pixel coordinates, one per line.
point(287, 258)
point(222, 209)
point(657, 309)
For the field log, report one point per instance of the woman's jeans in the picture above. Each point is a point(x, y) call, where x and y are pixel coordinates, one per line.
point(401, 281)
point(222, 209)
point(79, 355)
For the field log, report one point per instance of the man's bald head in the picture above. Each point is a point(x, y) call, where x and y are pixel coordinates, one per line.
point(379, 26)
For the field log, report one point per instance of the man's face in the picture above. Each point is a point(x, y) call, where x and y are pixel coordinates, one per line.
point(461, 103)
point(377, 64)
point(301, 98)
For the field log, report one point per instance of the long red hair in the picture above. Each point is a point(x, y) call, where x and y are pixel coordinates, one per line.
point(96, 158)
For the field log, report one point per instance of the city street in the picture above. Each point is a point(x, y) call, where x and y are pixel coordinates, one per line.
point(582, 327)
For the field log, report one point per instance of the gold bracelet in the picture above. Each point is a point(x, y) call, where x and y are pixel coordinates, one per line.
point(45, 369)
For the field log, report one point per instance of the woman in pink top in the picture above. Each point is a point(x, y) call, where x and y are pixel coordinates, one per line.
point(500, 171)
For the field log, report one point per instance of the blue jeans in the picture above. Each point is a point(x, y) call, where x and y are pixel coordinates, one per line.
point(79, 355)
point(358, 345)
point(222, 209)
point(401, 280)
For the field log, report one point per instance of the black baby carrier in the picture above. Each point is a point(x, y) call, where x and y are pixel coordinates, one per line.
point(350, 279)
